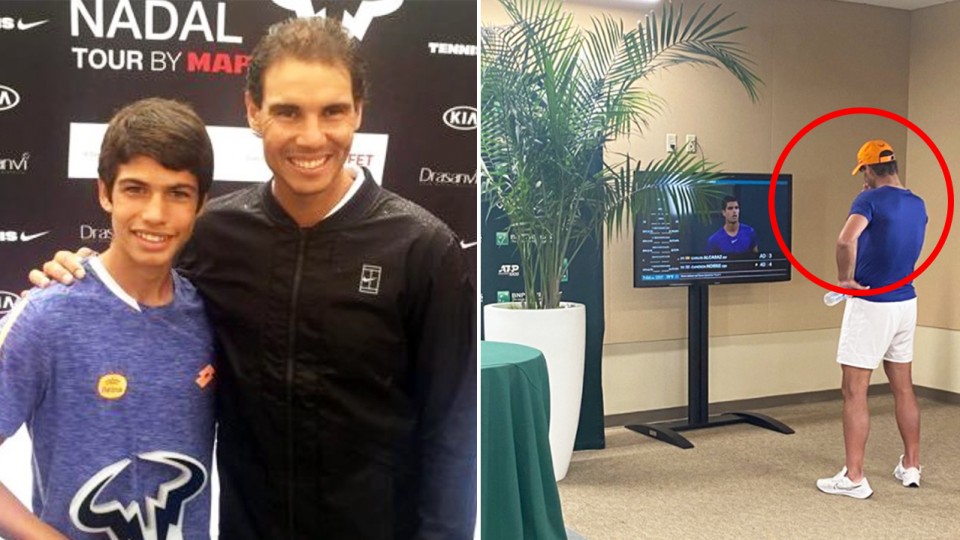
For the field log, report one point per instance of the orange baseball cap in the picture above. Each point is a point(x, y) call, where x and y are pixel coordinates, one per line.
point(870, 154)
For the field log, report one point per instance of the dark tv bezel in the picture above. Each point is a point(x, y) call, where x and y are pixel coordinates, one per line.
point(787, 239)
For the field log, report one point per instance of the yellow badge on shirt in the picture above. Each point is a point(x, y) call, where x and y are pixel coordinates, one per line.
point(112, 386)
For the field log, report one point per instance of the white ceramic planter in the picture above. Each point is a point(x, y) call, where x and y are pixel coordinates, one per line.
point(560, 334)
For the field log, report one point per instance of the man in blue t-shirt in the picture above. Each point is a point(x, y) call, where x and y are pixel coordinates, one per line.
point(112, 376)
point(878, 246)
point(734, 237)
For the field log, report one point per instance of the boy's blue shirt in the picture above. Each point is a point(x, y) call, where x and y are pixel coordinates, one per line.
point(118, 400)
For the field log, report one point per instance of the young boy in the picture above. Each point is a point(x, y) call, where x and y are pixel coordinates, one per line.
point(113, 375)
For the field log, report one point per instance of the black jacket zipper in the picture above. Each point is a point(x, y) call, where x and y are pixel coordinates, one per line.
point(291, 349)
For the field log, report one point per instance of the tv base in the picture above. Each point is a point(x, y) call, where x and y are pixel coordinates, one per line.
point(669, 432)
point(698, 376)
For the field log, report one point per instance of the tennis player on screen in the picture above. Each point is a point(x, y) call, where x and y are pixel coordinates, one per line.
point(733, 237)
point(879, 245)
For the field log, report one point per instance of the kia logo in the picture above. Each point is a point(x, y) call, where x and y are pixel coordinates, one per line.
point(9, 98)
point(462, 118)
point(7, 300)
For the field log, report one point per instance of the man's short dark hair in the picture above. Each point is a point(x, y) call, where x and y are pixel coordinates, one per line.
point(167, 131)
point(315, 39)
point(727, 200)
point(884, 169)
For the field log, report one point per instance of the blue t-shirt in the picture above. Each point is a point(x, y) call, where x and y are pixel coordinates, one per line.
point(118, 400)
point(743, 242)
point(889, 247)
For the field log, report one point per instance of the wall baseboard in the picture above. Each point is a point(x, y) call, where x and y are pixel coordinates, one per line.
point(678, 413)
point(934, 394)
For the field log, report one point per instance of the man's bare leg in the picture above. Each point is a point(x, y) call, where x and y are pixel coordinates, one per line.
point(907, 410)
point(856, 418)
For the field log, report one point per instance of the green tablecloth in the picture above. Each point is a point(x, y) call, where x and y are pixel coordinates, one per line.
point(518, 493)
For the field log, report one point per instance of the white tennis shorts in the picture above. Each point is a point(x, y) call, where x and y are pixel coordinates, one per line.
point(876, 331)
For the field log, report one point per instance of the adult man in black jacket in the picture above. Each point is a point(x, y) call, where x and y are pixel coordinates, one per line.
point(346, 315)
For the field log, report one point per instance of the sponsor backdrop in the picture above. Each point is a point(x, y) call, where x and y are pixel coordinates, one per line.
point(67, 65)
point(582, 282)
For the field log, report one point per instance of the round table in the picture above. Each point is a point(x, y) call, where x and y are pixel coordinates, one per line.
point(518, 493)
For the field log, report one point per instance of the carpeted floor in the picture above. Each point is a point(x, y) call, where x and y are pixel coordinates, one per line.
point(742, 482)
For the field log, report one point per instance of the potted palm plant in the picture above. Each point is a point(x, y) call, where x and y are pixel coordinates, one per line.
point(552, 93)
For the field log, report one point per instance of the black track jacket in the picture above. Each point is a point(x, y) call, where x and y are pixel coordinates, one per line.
point(347, 387)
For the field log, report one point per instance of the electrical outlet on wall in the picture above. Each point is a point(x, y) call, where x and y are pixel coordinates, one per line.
point(691, 144)
point(671, 142)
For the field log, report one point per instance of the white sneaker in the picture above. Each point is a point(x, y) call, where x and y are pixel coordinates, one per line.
point(841, 485)
point(910, 477)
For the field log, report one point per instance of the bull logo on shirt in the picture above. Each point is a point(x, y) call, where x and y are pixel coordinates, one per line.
point(164, 514)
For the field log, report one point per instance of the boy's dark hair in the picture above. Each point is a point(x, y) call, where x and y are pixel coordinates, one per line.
point(884, 169)
point(315, 39)
point(728, 199)
point(167, 131)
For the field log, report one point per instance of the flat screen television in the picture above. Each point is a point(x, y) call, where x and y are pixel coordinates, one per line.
point(737, 245)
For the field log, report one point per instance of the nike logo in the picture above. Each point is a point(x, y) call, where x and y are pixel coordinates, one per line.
point(24, 237)
point(368, 279)
point(26, 26)
point(466, 245)
point(734, 241)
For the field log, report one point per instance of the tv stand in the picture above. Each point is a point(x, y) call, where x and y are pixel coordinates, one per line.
point(698, 400)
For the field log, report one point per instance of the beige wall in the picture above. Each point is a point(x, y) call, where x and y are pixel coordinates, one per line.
point(652, 374)
point(814, 56)
point(936, 364)
point(810, 55)
point(935, 108)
